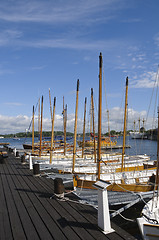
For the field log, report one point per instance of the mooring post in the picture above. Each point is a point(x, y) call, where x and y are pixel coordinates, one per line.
point(30, 162)
point(23, 159)
point(2, 160)
point(36, 169)
point(58, 187)
point(15, 150)
point(103, 207)
point(17, 154)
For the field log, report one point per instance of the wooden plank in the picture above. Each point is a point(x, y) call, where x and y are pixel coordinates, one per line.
point(48, 220)
point(55, 212)
point(79, 226)
point(25, 219)
point(39, 217)
point(5, 228)
point(151, 225)
point(152, 235)
point(91, 214)
point(15, 223)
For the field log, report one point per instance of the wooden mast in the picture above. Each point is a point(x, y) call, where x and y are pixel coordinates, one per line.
point(39, 118)
point(52, 131)
point(41, 126)
point(91, 121)
point(33, 132)
point(134, 126)
point(108, 123)
point(139, 125)
point(65, 129)
point(50, 104)
point(84, 123)
point(94, 138)
point(64, 124)
point(124, 133)
point(99, 115)
point(63, 112)
point(75, 128)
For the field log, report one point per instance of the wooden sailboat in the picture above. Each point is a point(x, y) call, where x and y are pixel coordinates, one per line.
point(121, 179)
point(138, 134)
point(149, 221)
point(109, 166)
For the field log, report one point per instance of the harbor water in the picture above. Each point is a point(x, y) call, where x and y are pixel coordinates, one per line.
point(137, 146)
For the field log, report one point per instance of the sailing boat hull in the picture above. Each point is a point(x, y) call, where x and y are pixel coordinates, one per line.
point(148, 230)
point(122, 187)
point(149, 222)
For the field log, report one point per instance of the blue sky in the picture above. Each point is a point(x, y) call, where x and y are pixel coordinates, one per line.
point(51, 44)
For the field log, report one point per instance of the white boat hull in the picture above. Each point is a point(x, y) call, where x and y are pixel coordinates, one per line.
point(149, 222)
point(148, 230)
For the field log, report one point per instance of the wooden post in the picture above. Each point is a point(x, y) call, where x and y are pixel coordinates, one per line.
point(108, 123)
point(94, 138)
point(64, 124)
point(41, 126)
point(75, 128)
point(33, 132)
point(91, 121)
point(52, 131)
point(99, 115)
point(65, 121)
point(139, 125)
point(50, 103)
point(124, 133)
point(134, 126)
point(39, 118)
point(84, 123)
point(63, 112)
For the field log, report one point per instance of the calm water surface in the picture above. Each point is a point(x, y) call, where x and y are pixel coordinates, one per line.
point(137, 146)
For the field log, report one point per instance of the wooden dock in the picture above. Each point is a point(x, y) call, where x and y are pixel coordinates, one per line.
point(28, 212)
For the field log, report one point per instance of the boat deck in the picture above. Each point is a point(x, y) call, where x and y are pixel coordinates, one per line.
point(28, 212)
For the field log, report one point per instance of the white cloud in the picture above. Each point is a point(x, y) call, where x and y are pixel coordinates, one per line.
point(56, 12)
point(70, 43)
point(146, 80)
point(20, 123)
point(13, 124)
point(7, 36)
point(132, 20)
point(13, 103)
point(116, 119)
point(38, 67)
